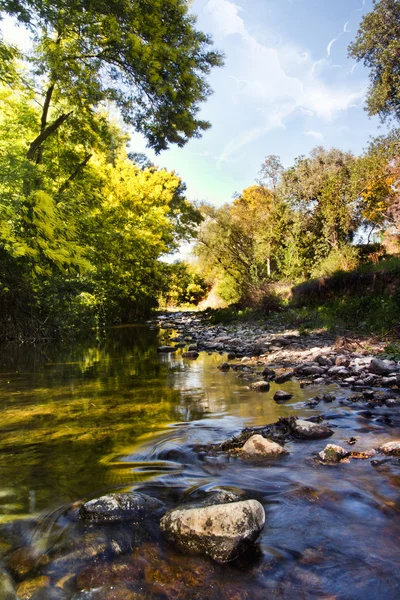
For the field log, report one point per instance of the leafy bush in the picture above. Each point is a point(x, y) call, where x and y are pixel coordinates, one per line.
point(345, 258)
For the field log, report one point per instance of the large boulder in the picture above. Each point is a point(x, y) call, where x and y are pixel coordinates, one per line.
point(258, 446)
point(222, 530)
point(308, 430)
point(113, 508)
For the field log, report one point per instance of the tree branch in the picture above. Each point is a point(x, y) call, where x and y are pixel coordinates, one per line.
point(73, 175)
point(47, 132)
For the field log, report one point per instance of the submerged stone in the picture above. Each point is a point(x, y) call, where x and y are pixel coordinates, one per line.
point(112, 508)
point(258, 446)
point(221, 531)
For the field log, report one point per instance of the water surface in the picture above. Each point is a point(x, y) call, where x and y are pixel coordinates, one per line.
point(118, 416)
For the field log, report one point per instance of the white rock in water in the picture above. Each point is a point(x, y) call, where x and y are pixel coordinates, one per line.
point(391, 448)
point(222, 531)
point(258, 446)
point(309, 430)
point(332, 453)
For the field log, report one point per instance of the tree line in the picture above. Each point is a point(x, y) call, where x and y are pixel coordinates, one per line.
point(303, 221)
point(83, 223)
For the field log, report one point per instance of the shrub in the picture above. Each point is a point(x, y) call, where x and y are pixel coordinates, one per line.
point(345, 258)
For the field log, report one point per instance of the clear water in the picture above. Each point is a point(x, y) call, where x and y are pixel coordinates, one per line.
point(78, 423)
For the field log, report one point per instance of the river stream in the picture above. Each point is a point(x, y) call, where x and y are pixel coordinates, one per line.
point(119, 416)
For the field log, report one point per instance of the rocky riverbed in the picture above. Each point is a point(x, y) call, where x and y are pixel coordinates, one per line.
point(305, 505)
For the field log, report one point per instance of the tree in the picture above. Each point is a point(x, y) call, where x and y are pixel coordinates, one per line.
point(377, 44)
point(145, 56)
point(242, 240)
point(319, 190)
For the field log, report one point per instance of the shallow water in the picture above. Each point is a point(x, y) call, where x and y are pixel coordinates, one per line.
point(120, 416)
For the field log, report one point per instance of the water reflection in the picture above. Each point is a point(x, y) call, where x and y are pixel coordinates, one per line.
point(76, 422)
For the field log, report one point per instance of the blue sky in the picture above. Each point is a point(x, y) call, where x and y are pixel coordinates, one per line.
point(287, 86)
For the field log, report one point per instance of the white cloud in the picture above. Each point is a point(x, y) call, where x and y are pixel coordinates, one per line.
point(345, 30)
point(226, 15)
point(329, 46)
point(314, 134)
point(281, 80)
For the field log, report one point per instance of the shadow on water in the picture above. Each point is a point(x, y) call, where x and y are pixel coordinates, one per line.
point(120, 416)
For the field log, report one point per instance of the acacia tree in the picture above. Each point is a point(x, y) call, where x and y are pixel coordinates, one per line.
point(377, 44)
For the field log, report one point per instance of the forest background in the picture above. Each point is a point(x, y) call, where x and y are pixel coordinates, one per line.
point(84, 223)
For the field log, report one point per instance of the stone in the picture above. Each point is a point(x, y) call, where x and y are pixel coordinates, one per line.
point(268, 373)
point(308, 430)
point(313, 370)
point(391, 448)
point(284, 377)
point(389, 381)
point(221, 531)
point(224, 366)
point(282, 396)
point(167, 349)
point(281, 341)
point(112, 508)
point(258, 446)
point(382, 367)
point(24, 561)
point(338, 372)
point(391, 402)
point(333, 454)
point(323, 361)
point(342, 361)
point(260, 386)
point(190, 354)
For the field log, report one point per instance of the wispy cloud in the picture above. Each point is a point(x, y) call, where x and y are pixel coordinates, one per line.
point(329, 46)
point(316, 135)
point(282, 81)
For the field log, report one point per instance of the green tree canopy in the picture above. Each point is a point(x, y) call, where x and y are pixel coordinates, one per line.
point(377, 44)
point(146, 56)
